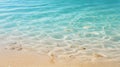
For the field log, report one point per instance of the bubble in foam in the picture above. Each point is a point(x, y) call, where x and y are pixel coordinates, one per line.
point(86, 27)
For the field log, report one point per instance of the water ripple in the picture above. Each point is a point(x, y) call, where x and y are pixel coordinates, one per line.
point(81, 22)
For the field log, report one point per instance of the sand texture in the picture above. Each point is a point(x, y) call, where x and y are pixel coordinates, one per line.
point(14, 58)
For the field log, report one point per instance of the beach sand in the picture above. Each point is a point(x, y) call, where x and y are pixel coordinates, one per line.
point(12, 58)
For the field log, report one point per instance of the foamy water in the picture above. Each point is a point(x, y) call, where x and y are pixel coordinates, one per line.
point(81, 29)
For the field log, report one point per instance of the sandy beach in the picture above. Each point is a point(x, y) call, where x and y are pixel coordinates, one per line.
point(11, 58)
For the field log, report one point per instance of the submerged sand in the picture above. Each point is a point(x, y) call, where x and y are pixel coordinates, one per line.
point(13, 58)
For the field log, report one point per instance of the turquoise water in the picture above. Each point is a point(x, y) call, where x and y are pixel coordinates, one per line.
point(75, 22)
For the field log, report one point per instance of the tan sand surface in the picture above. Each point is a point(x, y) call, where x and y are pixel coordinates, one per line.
point(11, 58)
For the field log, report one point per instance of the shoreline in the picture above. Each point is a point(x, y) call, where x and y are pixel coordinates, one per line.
point(11, 58)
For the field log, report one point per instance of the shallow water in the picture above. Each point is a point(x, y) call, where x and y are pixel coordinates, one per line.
point(47, 25)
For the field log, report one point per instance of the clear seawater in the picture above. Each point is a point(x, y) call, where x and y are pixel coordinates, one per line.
point(89, 23)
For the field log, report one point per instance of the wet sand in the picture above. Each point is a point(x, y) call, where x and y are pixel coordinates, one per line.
point(11, 58)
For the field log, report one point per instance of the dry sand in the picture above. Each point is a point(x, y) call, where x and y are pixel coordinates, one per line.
point(12, 58)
